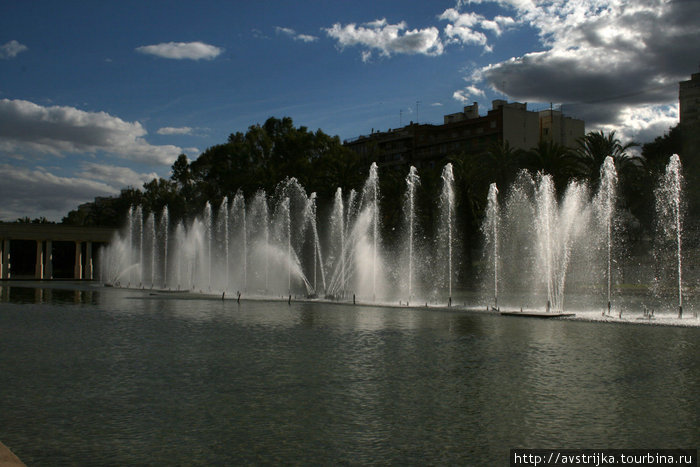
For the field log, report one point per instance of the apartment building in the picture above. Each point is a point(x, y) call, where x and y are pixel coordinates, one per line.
point(467, 131)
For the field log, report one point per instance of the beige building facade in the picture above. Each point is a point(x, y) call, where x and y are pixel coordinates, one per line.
point(468, 132)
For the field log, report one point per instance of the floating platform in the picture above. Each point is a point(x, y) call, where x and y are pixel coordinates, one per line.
point(537, 314)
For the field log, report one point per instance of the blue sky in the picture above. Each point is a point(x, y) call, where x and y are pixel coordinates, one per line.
point(95, 96)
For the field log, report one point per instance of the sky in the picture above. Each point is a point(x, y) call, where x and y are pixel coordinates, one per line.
point(96, 96)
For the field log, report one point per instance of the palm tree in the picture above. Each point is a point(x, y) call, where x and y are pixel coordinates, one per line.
point(595, 146)
point(499, 164)
point(554, 159)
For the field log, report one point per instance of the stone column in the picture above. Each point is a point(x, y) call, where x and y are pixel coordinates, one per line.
point(78, 269)
point(48, 262)
point(6, 259)
point(39, 267)
point(88, 260)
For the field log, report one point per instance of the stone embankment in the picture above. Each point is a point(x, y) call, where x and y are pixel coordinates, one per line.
point(8, 458)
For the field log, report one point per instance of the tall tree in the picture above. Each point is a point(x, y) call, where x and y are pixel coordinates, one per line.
point(595, 146)
point(498, 165)
point(551, 158)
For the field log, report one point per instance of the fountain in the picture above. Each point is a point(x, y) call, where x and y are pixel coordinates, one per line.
point(543, 233)
point(150, 229)
point(538, 245)
point(447, 238)
point(411, 230)
point(164, 225)
point(337, 287)
point(490, 230)
point(209, 236)
point(138, 232)
point(222, 231)
point(237, 218)
point(669, 224)
point(604, 208)
point(370, 203)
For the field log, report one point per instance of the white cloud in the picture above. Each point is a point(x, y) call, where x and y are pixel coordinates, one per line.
point(643, 123)
point(387, 39)
point(475, 91)
point(168, 130)
point(294, 35)
point(465, 35)
point(57, 130)
point(117, 177)
point(461, 96)
point(306, 38)
point(37, 192)
point(604, 59)
point(12, 49)
point(467, 94)
point(463, 28)
point(182, 50)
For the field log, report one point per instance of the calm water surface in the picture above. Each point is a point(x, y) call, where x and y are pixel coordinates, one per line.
point(114, 377)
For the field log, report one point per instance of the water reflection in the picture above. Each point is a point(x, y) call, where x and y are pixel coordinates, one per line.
point(20, 294)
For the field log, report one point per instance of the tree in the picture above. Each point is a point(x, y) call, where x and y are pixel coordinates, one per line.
point(551, 158)
point(656, 154)
point(595, 146)
point(655, 157)
point(181, 171)
point(498, 165)
point(159, 193)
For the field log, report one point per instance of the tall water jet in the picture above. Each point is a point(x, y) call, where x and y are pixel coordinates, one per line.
point(446, 227)
point(239, 234)
point(180, 264)
point(258, 232)
point(152, 246)
point(288, 233)
point(412, 182)
point(164, 226)
point(518, 226)
point(310, 220)
point(669, 212)
point(370, 198)
point(130, 243)
point(557, 228)
point(335, 259)
point(208, 235)
point(491, 229)
point(604, 205)
point(351, 211)
point(350, 245)
point(364, 269)
point(222, 222)
point(375, 233)
point(138, 218)
point(546, 210)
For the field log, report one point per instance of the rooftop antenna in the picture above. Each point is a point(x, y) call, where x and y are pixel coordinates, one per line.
point(400, 117)
point(417, 105)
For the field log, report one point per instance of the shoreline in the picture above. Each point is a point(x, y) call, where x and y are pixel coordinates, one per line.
point(660, 319)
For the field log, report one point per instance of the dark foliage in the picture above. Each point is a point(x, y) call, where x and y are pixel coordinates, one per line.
point(266, 154)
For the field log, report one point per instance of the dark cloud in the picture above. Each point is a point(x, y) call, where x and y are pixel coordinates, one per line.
point(630, 54)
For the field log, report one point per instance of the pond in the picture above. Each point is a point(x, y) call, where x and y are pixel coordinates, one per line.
point(94, 375)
